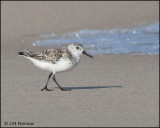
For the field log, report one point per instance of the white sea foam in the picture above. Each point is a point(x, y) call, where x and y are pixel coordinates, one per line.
point(138, 40)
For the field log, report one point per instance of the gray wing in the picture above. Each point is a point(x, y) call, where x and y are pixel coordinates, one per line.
point(49, 55)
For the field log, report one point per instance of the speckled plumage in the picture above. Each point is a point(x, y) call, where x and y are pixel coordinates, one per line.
point(56, 60)
point(51, 55)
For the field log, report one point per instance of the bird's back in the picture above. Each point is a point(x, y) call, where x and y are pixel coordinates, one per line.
point(55, 60)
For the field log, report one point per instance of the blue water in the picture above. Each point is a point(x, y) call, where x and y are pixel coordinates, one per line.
point(139, 40)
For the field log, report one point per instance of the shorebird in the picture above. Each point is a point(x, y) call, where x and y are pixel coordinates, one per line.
point(56, 60)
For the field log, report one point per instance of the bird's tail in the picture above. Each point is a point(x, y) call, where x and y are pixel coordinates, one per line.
point(24, 53)
point(21, 53)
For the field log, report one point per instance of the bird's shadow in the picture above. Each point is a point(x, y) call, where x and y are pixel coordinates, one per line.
point(91, 87)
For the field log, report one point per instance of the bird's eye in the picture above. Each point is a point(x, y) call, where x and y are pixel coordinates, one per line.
point(77, 47)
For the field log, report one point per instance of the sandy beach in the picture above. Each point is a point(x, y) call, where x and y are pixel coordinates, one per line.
point(108, 90)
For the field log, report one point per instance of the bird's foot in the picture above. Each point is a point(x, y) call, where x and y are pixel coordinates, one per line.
point(45, 88)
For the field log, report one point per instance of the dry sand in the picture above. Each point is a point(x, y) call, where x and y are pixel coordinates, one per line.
point(109, 90)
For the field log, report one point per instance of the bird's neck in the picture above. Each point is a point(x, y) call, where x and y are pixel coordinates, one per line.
point(74, 56)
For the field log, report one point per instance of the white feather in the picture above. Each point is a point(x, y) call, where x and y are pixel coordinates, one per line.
point(60, 66)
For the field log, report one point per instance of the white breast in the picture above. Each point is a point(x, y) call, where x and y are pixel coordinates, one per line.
point(60, 66)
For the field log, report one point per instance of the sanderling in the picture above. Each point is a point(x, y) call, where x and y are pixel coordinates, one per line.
point(56, 60)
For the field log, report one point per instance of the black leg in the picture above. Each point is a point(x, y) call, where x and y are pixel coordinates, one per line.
point(45, 88)
point(63, 89)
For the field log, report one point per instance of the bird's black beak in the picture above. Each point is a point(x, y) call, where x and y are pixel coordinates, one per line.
point(85, 53)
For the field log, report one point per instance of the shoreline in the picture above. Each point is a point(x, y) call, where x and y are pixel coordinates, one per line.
point(108, 90)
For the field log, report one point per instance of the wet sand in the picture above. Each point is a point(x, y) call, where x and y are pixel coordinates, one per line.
point(108, 90)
